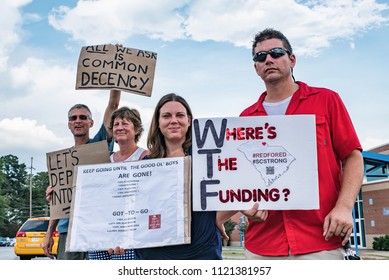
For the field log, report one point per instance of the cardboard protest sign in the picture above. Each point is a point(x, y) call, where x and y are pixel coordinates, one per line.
point(271, 160)
point(115, 67)
point(60, 166)
point(135, 204)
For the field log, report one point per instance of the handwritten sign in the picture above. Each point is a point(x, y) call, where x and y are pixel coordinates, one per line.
point(132, 205)
point(115, 67)
point(239, 161)
point(60, 166)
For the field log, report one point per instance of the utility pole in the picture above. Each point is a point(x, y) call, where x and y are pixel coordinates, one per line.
point(31, 168)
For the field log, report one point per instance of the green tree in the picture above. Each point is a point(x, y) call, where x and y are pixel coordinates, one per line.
point(4, 203)
point(13, 192)
point(40, 207)
point(14, 188)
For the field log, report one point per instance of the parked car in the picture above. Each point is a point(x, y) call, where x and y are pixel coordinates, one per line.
point(30, 237)
point(5, 241)
point(12, 241)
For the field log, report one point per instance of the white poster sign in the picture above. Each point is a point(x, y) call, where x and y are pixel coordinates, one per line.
point(132, 205)
point(271, 160)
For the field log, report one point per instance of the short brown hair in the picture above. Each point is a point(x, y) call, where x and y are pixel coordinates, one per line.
point(268, 34)
point(131, 115)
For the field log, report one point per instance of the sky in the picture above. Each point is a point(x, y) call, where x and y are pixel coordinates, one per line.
point(204, 54)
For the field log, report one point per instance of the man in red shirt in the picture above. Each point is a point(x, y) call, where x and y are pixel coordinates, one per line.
point(305, 234)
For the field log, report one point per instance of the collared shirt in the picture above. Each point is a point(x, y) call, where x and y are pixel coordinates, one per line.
point(301, 231)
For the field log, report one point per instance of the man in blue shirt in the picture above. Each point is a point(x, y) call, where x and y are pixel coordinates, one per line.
point(79, 122)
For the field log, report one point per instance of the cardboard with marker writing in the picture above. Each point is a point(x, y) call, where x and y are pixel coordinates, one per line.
point(60, 167)
point(116, 67)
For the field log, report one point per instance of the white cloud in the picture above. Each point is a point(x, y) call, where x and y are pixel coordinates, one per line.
point(19, 132)
point(370, 143)
point(115, 20)
point(310, 25)
point(10, 22)
point(27, 139)
point(31, 17)
point(38, 75)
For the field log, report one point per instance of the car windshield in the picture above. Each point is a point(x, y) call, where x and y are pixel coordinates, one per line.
point(35, 225)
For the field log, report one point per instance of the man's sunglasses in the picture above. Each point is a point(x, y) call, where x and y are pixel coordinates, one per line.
point(81, 117)
point(274, 53)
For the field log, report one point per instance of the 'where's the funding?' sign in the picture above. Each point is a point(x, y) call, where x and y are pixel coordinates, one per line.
point(239, 161)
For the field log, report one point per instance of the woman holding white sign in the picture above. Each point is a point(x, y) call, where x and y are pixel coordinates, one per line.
point(170, 136)
point(126, 127)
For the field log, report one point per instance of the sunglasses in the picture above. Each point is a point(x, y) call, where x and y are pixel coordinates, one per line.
point(81, 117)
point(274, 53)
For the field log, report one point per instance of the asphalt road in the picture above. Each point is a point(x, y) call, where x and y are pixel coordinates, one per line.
point(7, 253)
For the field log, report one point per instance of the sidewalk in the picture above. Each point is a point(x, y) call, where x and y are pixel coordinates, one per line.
point(237, 253)
point(368, 254)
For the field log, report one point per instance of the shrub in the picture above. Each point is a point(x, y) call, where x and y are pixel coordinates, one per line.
point(229, 226)
point(381, 243)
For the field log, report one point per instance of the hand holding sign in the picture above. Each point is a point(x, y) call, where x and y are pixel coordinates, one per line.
point(256, 215)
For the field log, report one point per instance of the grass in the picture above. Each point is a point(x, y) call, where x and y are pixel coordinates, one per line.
point(230, 252)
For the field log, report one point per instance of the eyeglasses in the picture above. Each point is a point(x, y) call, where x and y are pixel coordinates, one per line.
point(274, 53)
point(81, 117)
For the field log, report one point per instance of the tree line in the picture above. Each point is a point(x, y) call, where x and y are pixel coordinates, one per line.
point(15, 195)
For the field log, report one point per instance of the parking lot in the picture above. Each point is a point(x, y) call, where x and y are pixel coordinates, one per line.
point(7, 241)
